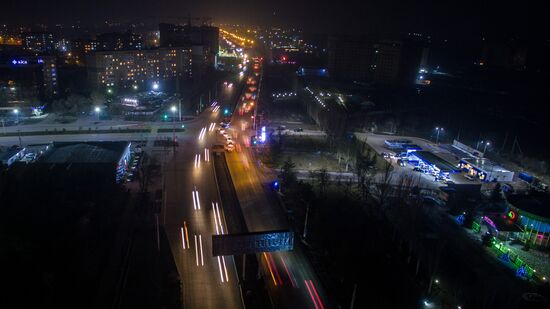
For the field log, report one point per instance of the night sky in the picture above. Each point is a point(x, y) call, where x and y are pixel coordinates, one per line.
point(439, 18)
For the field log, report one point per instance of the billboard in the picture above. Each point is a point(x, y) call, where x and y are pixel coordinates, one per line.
point(236, 244)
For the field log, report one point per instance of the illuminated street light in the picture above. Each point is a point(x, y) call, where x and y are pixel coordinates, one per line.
point(109, 91)
point(485, 148)
point(174, 109)
point(135, 87)
point(97, 110)
point(155, 86)
point(16, 112)
point(438, 130)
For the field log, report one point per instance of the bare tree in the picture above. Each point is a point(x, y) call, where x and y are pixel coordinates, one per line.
point(148, 170)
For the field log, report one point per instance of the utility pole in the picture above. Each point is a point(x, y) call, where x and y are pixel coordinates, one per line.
point(353, 296)
point(305, 222)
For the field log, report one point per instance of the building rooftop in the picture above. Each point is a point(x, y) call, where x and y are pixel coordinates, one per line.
point(438, 162)
point(485, 164)
point(84, 152)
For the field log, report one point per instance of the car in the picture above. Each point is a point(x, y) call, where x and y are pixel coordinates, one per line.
point(417, 169)
point(401, 162)
point(225, 135)
point(222, 131)
point(298, 130)
point(281, 128)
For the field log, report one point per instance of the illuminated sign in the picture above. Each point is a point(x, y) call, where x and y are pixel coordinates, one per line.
point(512, 215)
point(269, 241)
point(19, 62)
point(262, 136)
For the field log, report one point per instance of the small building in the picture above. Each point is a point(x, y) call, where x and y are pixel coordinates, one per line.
point(485, 170)
point(111, 155)
point(532, 213)
point(9, 156)
point(436, 165)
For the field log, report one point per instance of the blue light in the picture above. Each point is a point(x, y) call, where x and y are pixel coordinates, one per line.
point(275, 184)
point(225, 111)
point(263, 135)
point(19, 62)
point(40, 61)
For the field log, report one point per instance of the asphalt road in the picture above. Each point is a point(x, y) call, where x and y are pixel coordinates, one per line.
point(208, 282)
point(290, 277)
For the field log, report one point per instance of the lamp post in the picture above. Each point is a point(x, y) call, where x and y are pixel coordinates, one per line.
point(16, 112)
point(438, 130)
point(174, 109)
point(97, 110)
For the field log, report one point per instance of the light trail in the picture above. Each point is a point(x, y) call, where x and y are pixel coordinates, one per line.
point(182, 238)
point(275, 268)
point(215, 219)
point(219, 217)
point(270, 270)
point(201, 134)
point(207, 154)
point(290, 275)
point(316, 295)
point(212, 127)
point(196, 201)
point(225, 270)
point(311, 295)
point(200, 242)
point(186, 233)
point(196, 251)
point(220, 267)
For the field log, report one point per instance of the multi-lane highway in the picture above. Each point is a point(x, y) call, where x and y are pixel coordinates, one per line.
point(192, 213)
point(290, 278)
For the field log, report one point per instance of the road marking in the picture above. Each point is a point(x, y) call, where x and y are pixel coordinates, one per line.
point(207, 154)
point(215, 219)
point(202, 132)
point(194, 200)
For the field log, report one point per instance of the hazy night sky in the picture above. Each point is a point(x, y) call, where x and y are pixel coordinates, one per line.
point(441, 18)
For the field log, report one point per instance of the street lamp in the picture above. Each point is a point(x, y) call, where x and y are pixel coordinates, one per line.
point(109, 91)
point(438, 130)
point(174, 109)
point(155, 86)
point(97, 110)
point(135, 87)
point(485, 148)
point(16, 112)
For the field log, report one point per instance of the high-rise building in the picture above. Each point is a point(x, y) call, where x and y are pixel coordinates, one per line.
point(29, 76)
point(127, 68)
point(44, 42)
point(349, 57)
point(186, 35)
point(356, 58)
point(118, 41)
point(386, 61)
